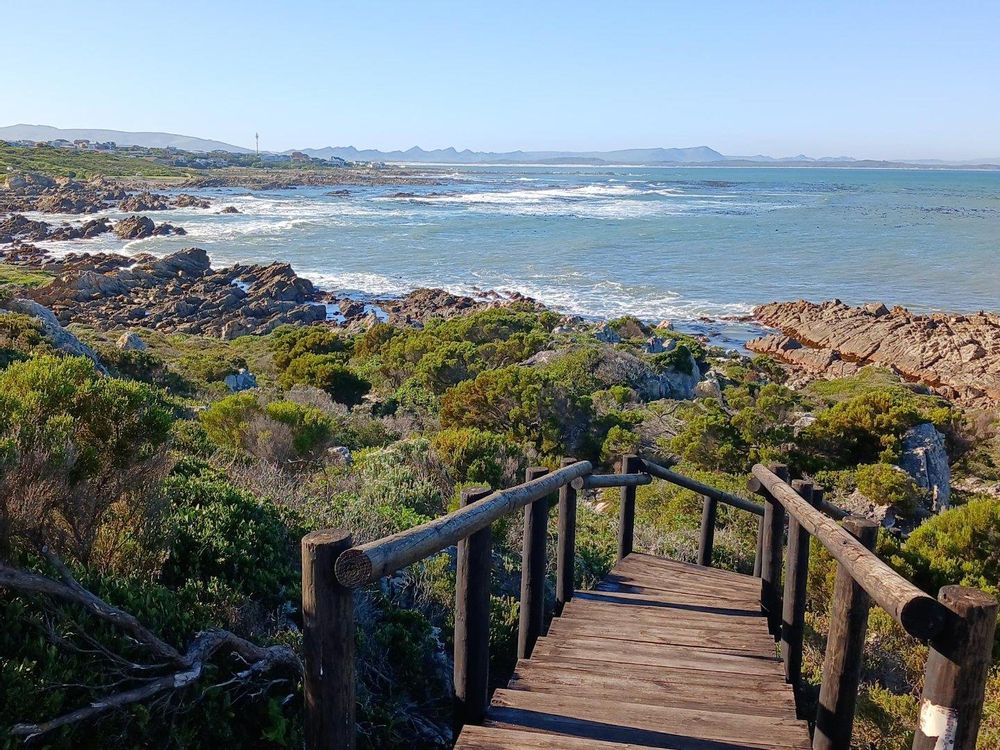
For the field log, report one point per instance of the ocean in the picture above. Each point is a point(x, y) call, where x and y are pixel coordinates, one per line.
point(659, 243)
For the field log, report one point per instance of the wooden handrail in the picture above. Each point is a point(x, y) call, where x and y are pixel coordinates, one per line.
point(661, 472)
point(920, 615)
point(368, 562)
point(598, 481)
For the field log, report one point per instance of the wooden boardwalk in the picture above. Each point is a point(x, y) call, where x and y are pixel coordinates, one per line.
point(662, 654)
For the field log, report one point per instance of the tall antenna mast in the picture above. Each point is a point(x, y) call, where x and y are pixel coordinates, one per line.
point(256, 137)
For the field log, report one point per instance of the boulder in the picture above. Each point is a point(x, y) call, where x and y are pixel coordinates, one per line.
point(185, 200)
point(144, 201)
point(135, 228)
point(242, 380)
point(230, 210)
point(340, 455)
point(925, 458)
point(61, 339)
point(130, 341)
point(607, 334)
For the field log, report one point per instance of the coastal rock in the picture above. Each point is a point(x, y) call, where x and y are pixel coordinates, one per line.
point(180, 292)
point(144, 201)
point(61, 339)
point(925, 458)
point(956, 356)
point(130, 341)
point(243, 380)
point(185, 200)
point(229, 210)
point(135, 228)
point(18, 227)
point(422, 305)
point(607, 334)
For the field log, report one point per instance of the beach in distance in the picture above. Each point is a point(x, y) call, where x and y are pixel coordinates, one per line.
point(656, 242)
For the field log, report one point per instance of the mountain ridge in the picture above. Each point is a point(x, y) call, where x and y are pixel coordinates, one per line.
point(692, 155)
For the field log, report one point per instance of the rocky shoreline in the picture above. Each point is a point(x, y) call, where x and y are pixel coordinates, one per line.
point(955, 356)
point(181, 292)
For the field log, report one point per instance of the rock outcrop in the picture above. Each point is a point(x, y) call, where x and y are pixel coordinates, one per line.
point(956, 356)
point(925, 458)
point(180, 292)
point(144, 201)
point(140, 227)
point(61, 339)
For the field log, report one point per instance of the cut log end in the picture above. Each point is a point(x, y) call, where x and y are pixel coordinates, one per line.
point(353, 568)
point(923, 617)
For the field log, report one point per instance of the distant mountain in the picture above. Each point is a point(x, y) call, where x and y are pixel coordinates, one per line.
point(697, 154)
point(120, 137)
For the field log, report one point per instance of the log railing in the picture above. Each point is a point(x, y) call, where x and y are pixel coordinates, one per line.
point(959, 625)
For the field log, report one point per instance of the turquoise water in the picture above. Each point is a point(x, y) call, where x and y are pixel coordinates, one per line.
point(656, 242)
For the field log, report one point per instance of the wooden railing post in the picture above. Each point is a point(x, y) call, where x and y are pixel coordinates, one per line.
point(472, 620)
point(793, 609)
point(772, 542)
point(955, 676)
point(707, 540)
point(566, 551)
point(327, 644)
point(532, 614)
point(630, 464)
point(758, 557)
point(845, 645)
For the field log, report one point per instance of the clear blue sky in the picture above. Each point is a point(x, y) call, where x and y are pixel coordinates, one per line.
point(868, 79)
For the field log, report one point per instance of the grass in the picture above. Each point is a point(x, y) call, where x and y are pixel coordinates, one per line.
point(67, 162)
point(201, 360)
point(13, 277)
point(841, 389)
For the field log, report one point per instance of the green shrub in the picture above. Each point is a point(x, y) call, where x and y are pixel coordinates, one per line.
point(325, 371)
point(710, 440)
point(885, 484)
point(289, 342)
point(959, 546)
point(475, 456)
point(76, 448)
point(311, 428)
point(216, 532)
point(277, 431)
point(21, 336)
point(867, 428)
point(529, 404)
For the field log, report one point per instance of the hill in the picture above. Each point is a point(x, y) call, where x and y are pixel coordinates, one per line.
point(47, 133)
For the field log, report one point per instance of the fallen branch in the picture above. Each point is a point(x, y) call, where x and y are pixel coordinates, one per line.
point(188, 667)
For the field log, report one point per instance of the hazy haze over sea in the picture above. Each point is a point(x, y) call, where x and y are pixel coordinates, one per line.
point(655, 242)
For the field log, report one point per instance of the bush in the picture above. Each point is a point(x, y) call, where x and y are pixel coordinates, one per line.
point(277, 431)
point(867, 428)
point(216, 532)
point(325, 371)
point(528, 404)
point(959, 546)
point(77, 449)
point(710, 440)
point(20, 337)
point(476, 456)
point(885, 484)
point(289, 342)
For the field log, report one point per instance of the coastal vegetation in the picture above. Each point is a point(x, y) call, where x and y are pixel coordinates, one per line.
point(155, 483)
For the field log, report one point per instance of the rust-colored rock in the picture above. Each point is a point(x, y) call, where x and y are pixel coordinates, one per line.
point(957, 356)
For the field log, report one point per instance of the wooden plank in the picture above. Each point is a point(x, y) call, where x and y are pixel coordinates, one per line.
point(674, 691)
point(601, 609)
point(620, 652)
point(657, 726)
point(680, 592)
point(687, 633)
point(638, 561)
point(718, 681)
point(494, 738)
point(685, 581)
point(666, 601)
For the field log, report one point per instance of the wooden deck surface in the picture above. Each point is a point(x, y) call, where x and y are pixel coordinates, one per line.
point(661, 655)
